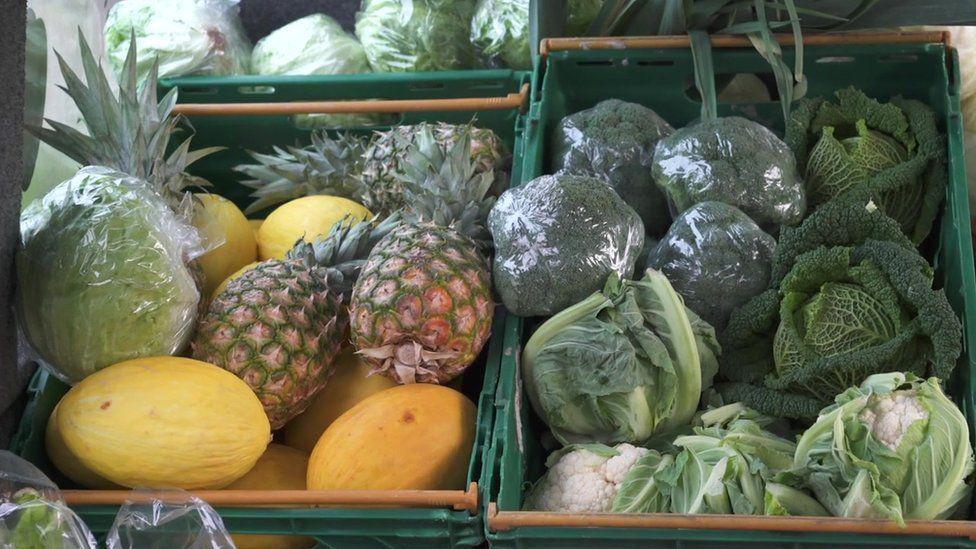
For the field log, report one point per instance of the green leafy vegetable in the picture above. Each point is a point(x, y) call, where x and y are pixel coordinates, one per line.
point(783, 500)
point(101, 274)
point(621, 365)
point(614, 142)
point(850, 297)
point(716, 257)
point(891, 152)
point(500, 31)
point(735, 161)
point(315, 44)
point(557, 239)
point(580, 14)
point(186, 37)
point(417, 35)
point(645, 488)
point(895, 448)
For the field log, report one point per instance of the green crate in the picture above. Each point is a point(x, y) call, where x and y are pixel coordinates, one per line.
point(260, 133)
point(332, 527)
point(663, 80)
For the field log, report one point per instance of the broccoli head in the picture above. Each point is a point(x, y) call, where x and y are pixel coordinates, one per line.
point(614, 141)
point(716, 257)
point(735, 161)
point(557, 239)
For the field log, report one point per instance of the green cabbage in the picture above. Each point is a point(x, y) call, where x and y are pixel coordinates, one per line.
point(893, 151)
point(187, 37)
point(500, 31)
point(417, 35)
point(101, 274)
point(315, 44)
point(893, 448)
point(621, 365)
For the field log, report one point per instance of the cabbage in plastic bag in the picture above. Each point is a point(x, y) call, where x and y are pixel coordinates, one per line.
point(557, 239)
point(32, 513)
point(735, 161)
point(102, 276)
point(614, 142)
point(500, 31)
point(416, 35)
point(189, 37)
point(716, 257)
point(170, 521)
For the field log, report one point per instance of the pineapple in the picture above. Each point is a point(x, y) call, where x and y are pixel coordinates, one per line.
point(422, 308)
point(280, 325)
point(386, 157)
point(326, 167)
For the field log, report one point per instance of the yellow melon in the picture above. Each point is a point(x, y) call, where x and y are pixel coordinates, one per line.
point(68, 463)
point(219, 220)
point(347, 386)
point(410, 437)
point(280, 468)
point(223, 285)
point(306, 217)
point(164, 422)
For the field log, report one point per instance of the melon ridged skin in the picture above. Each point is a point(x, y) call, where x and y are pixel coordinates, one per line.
point(164, 422)
point(409, 437)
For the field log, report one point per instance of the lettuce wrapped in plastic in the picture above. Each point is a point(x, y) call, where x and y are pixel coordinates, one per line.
point(102, 274)
point(557, 239)
point(32, 513)
point(417, 35)
point(621, 365)
point(188, 37)
point(894, 448)
point(500, 31)
point(716, 257)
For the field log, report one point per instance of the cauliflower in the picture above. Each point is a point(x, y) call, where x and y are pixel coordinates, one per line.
point(889, 416)
point(584, 479)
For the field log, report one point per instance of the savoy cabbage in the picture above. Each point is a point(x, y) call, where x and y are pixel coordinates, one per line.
point(850, 297)
point(891, 151)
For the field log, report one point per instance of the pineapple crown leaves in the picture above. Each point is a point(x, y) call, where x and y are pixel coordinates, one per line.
point(129, 131)
point(327, 166)
point(345, 249)
point(442, 186)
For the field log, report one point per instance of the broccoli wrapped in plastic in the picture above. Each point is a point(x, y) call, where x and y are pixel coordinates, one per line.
point(735, 161)
point(716, 257)
point(614, 141)
point(557, 239)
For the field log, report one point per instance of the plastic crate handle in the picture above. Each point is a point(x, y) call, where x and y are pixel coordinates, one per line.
point(511, 101)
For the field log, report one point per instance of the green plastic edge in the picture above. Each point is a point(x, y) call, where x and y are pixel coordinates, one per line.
point(955, 240)
point(335, 527)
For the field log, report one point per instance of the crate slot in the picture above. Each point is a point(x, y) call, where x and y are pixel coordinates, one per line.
point(256, 90)
point(835, 59)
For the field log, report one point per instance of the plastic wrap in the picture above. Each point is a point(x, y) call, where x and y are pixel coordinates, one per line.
point(500, 31)
point(580, 14)
point(177, 522)
point(614, 141)
point(557, 239)
point(716, 257)
point(32, 513)
point(735, 161)
point(102, 276)
point(416, 35)
point(188, 37)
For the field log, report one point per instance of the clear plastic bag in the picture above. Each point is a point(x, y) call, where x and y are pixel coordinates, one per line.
point(580, 14)
point(32, 513)
point(614, 141)
point(103, 275)
point(417, 35)
point(557, 239)
point(500, 31)
point(173, 521)
point(716, 257)
point(735, 161)
point(314, 44)
point(188, 37)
